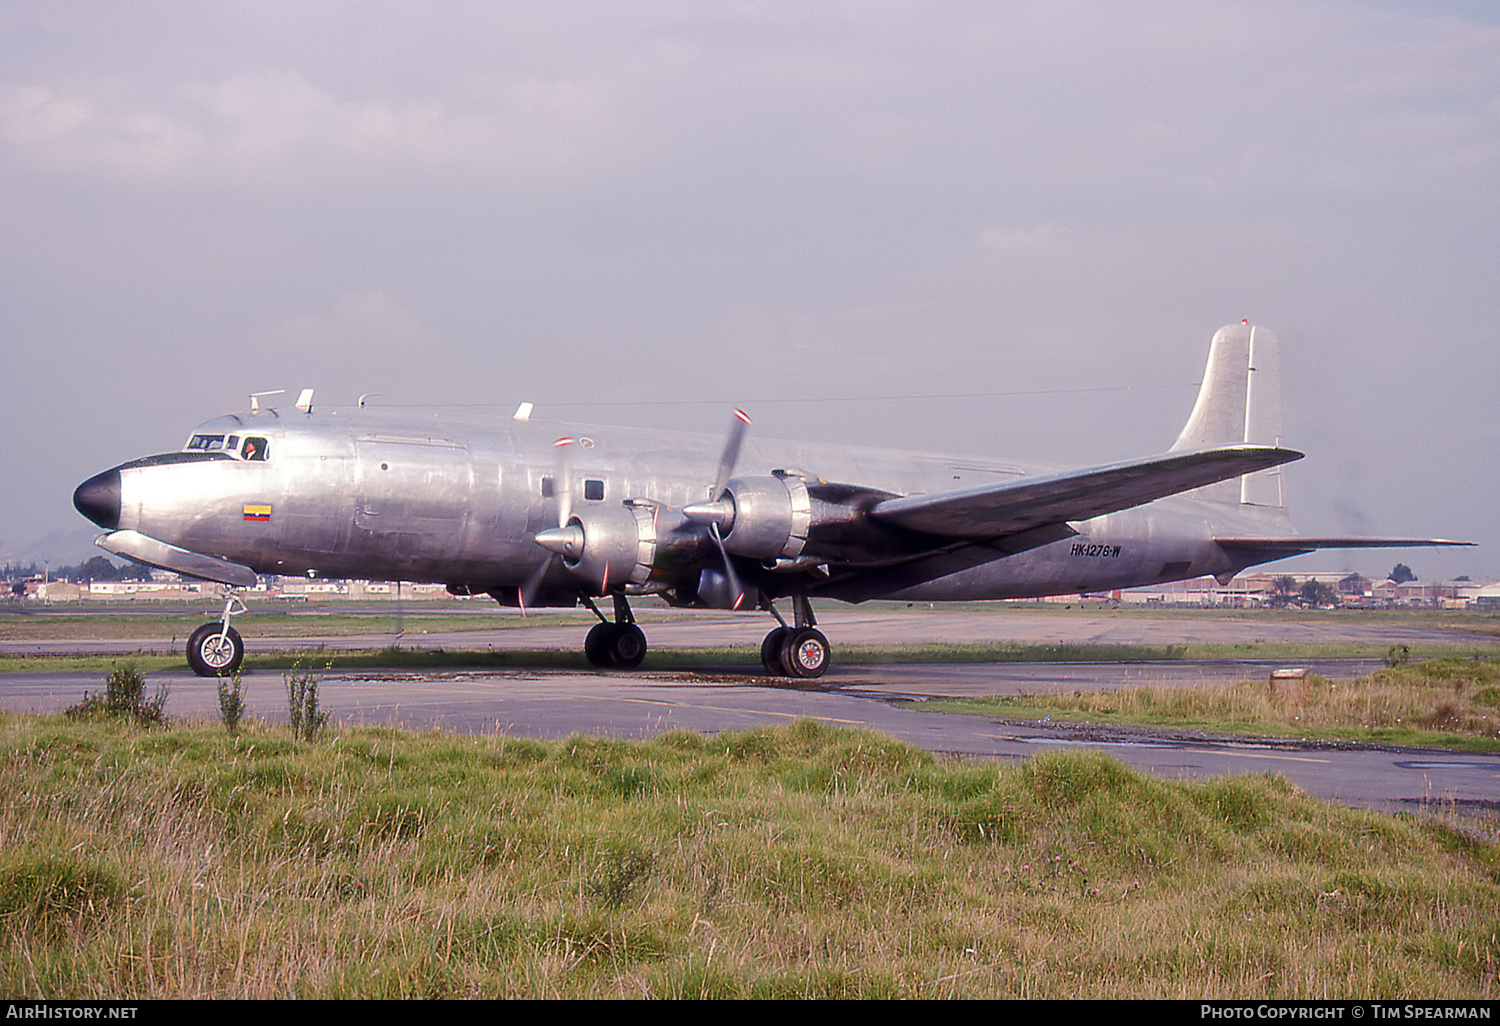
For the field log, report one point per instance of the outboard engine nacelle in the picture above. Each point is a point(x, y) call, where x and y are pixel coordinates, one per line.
point(768, 517)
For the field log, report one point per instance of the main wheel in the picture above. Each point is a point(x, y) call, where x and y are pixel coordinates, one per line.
point(770, 651)
point(805, 653)
point(628, 646)
point(214, 650)
point(598, 644)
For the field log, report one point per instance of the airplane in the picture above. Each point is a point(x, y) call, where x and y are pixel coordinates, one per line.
point(548, 515)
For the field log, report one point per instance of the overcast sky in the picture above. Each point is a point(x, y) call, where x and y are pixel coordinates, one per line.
point(682, 207)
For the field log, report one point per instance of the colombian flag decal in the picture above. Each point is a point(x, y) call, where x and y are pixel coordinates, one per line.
point(257, 513)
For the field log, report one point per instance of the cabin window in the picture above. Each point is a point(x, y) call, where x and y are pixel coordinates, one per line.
point(254, 449)
point(593, 490)
point(546, 488)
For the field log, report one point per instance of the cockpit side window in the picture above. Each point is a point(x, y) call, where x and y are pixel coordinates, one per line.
point(254, 449)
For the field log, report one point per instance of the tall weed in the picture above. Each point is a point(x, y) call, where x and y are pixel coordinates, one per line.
point(307, 718)
point(124, 698)
point(231, 702)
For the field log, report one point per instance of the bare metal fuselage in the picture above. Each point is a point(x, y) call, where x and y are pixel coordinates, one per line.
point(368, 494)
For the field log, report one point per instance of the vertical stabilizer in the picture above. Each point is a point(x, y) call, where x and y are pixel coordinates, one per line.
point(1239, 402)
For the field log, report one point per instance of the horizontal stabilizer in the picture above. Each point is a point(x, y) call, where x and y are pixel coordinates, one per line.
point(1296, 546)
point(144, 549)
point(996, 510)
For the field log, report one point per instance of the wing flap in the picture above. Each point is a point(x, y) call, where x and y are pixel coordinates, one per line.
point(862, 585)
point(996, 510)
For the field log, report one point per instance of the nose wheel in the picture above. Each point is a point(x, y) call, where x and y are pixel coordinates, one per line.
point(215, 649)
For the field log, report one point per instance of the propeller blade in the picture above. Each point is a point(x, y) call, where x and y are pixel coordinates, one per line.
point(731, 454)
point(734, 578)
point(562, 480)
point(527, 592)
point(559, 540)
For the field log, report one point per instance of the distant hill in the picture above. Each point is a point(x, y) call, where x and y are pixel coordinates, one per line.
point(59, 548)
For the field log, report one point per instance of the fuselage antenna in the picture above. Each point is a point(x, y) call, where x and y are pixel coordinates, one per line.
point(255, 398)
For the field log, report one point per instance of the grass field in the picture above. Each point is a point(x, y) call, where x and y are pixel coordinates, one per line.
point(799, 862)
point(1442, 703)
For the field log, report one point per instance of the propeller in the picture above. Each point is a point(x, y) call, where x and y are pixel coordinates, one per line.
point(719, 510)
point(564, 539)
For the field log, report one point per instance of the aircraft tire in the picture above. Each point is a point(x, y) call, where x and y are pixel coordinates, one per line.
point(805, 653)
point(771, 649)
point(598, 643)
point(214, 651)
point(628, 646)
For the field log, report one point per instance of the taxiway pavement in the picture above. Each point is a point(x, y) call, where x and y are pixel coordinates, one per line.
point(886, 698)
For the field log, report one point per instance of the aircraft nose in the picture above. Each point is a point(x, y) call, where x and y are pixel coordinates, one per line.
point(98, 498)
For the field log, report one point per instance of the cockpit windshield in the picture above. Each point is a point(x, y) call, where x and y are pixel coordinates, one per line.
point(253, 448)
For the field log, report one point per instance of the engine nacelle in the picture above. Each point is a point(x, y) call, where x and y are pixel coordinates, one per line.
point(771, 517)
point(609, 547)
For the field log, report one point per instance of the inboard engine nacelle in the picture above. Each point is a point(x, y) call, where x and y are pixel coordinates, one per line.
point(607, 545)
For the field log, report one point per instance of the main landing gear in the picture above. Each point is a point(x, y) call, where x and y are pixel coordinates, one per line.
point(798, 651)
point(215, 649)
point(620, 644)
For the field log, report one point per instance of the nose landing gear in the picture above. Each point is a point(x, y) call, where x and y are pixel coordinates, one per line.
point(215, 649)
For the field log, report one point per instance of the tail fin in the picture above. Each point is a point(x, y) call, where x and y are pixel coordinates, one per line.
point(1240, 402)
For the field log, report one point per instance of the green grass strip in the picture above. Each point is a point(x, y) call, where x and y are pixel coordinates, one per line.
point(799, 862)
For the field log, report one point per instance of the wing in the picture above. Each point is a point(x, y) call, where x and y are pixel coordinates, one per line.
point(995, 511)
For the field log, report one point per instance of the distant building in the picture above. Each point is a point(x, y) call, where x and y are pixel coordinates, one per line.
point(1254, 590)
